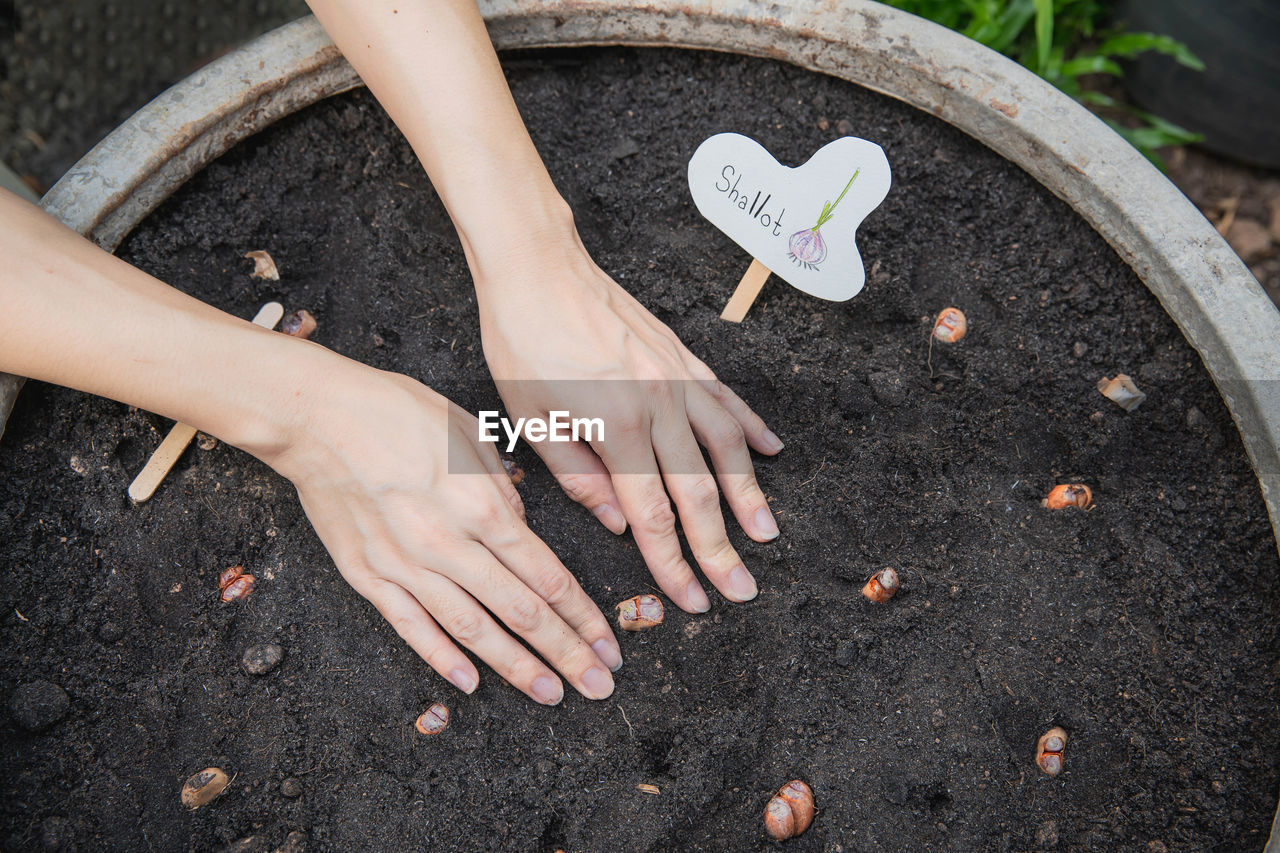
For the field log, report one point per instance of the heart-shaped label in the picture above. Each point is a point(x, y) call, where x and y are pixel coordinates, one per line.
point(799, 222)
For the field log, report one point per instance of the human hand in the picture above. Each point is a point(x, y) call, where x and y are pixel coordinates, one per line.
point(424, 523)
point(555, 319)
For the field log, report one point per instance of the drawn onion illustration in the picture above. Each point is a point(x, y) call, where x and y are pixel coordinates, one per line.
point(807, 248)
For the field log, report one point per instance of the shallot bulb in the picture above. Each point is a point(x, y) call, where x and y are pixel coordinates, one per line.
point(640, 612)
point(882, 586)
point(235, 583)
point(790, 811)
point(1069, 495)
point(1049, 750)
point(433, 720)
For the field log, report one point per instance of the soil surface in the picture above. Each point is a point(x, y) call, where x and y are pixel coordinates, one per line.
point(1148, 627)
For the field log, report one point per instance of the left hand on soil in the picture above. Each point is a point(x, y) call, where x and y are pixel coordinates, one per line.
point(556, 320)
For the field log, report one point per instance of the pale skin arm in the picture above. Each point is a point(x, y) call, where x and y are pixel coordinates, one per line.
point(426, 545)
point(548, 313)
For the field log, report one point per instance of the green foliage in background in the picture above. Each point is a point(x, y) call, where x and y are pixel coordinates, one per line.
point(1063, 41)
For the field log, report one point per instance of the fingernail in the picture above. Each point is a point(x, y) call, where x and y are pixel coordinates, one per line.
point(697, 598)
point(742, 585)
point(547, 690)
point(772, 441)
point(598, 682)
point(609, 656)
point(610, 518)
point(765, 525)
point(463, 680)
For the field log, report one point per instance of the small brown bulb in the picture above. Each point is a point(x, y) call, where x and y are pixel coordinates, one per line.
point(299, 324)
point(228, 575)
point(1068, 495)
point(950, 325)
point(1049, 750)
point(790, 811)
point(882, 586)
point(203, 787)
point(640, 613)
point(433, 720)
point(514, 471)
point(263, 266)
point(238, 588)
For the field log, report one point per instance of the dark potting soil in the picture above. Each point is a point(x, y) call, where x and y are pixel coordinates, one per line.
point(1147, 627)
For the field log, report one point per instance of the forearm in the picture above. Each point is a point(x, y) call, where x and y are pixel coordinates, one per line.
point(432, 67)
point(76, 316)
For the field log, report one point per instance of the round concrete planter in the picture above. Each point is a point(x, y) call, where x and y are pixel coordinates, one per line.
point(1202, 284)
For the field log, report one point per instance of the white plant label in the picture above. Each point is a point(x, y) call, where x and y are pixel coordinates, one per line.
point(799, 222)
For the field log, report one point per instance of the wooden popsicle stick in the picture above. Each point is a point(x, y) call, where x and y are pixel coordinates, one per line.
point(167, 454)
point(745, 294)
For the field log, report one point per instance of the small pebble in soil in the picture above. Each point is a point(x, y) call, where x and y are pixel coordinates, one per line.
point(790, 811)
point(640, 613)
point(950, 326)
point(433, 720)
point(37, 705)
point(1079, 349)
point(202, 788)
point(1076, 495)
point(1196, 419)
point(1049, 750)
point(887, 388)
point(249, 844)
point(882, 586)
point(291, 788)
point(261, 658)
point(205, 441)
point(294, 842)
point(110, 631)
point(846, 653)
point(844, 127)
point(1047, 834)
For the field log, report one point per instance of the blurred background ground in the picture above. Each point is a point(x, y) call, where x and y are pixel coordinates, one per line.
point(72, 70)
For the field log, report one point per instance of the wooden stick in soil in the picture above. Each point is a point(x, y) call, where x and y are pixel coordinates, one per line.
point(166, 455)
point(745, 294)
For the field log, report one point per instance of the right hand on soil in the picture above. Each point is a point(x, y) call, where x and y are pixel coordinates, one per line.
point(424, 522)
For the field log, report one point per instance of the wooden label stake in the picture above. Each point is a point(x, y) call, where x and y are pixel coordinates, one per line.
point(748, 289)
point(167, 454)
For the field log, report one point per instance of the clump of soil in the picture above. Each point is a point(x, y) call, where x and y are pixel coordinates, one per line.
point(1146, 627)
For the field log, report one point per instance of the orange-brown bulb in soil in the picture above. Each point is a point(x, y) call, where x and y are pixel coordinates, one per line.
point(882, 586)
point(203, 787)
point(640, 613)
point(514, 471)
point(950, 325)
point(299, 324)
point(433, 720)
point(235, 583)
point(790, 811)
point(1049, 750)
point(1069, 494)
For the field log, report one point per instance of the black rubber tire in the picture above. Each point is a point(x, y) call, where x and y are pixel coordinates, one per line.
point(1235, 101)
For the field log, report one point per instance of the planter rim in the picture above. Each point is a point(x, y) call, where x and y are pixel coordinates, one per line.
point(1198, 279)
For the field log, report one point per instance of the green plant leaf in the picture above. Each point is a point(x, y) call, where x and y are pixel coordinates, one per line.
point(1044, 32)
point(1091, 65)
point(1128, 45)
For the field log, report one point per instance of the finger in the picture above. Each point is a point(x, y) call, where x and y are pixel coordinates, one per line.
point(697, 497)
point(462, 617)
point(492, 463)
point(416, 627)
point(653, 523)
point(537, 566)
point(722, 435)
point(585, 479)
point(474, 568)
point(758, 435)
